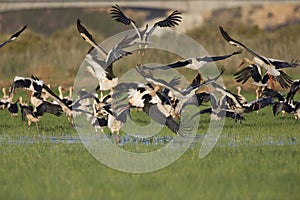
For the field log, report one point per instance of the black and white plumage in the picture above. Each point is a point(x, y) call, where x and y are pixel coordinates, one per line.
point(110, 57)
point(143, 96)
point(67, 109)
point(105, 77)
point(187, 93)
point(31, 84)
point(144, 36)
point(114, 120)
point(285, 104)
point(49, 107)
point(252, 71)
point(12, 107)
point(13, 37)
point(257, 104)
point(4, 100)
point(285, 107)
point(271, 65)
point(234, 101)
point(219, 110)
point(33, 115)
point(77, 107)
point(67, 99)
point(102, 68)
point(283, 79)
point(295, 86)
point(99, 123)
point(177, 98)
point(195, 63)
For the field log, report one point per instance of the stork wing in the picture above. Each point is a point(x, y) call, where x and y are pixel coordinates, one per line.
point(187, 62)
point(13, 37)
point(269, 93)
point(89, 38)
point(172, 20)
point(251, 71)
point(190, 88)
point(117, 51)
point(119, 16)
point(149, 77)
point(258, 104)
point(217, 58)
point(236, 43)
point(283, 79)
point(293, 89)
point(49, 92)
point(233, 98)
point(284, 64)
point(179, 63)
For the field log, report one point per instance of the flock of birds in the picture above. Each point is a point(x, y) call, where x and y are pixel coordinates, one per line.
point(110, 103)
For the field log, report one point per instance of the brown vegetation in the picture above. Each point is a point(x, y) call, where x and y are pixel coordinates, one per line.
point(57, 57)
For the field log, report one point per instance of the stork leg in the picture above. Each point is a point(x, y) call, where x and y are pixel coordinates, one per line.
point(101, 94)
point(29, 123)
point(143, 55)
point(137, 57)
point(117, 137)
point(112, 102)
point(271, 81)
point(37, 126)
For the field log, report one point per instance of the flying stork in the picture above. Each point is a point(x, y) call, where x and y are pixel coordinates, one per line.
point(271, 65)
point(32, 84)
point(102, 70)
point(195, 63)
point(144, 36)
point(143, 96)
point(114, 54)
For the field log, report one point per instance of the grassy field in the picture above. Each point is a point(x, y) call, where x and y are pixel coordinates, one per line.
point(258, 159)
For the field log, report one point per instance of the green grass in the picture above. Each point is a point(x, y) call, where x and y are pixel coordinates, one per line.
point(258, 159)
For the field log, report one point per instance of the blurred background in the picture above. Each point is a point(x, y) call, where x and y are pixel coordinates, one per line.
point(52, 49)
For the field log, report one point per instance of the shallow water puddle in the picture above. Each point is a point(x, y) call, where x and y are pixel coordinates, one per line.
point(130, 140)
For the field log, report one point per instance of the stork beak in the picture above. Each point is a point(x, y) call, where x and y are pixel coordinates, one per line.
point(242, 63)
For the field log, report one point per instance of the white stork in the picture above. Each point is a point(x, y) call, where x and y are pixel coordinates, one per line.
point(142, 96)
point(234, 101)
point(285, 104)
point(218, 110)
point(102, 70)
point(195, 63)
point(272, 66)
point(32, 84)
point(144, 36)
